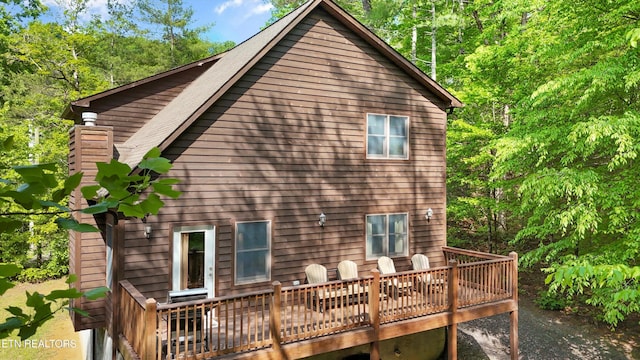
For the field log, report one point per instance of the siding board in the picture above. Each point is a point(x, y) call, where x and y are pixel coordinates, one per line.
point(287, 142)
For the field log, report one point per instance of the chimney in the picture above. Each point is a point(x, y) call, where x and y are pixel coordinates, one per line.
point(88, 144)
point(89, 118)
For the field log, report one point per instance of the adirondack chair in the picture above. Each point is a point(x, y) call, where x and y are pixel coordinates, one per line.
point(326, 295)
point(421, 262)
point(348, 270)
point(386, 266)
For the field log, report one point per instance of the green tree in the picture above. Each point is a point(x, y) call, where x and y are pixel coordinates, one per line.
point(36, 192)
point(174, 20)
point(571, 80)
point(546, 148)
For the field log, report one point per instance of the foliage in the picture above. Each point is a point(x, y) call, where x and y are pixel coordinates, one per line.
point(614, 288)
point(568, 151)
point(543, 157)
point(551, 300)
point(174, 19)
point(42, 306)
point(36, 191)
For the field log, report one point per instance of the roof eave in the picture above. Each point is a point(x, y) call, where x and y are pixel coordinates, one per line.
point(72, 111)
point(259, 55)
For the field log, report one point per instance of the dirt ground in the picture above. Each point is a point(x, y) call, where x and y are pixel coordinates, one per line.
point(548, 335)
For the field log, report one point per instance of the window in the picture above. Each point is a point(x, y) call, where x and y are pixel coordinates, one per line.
point(387, 235)
point(253, 251)
point(387, 137)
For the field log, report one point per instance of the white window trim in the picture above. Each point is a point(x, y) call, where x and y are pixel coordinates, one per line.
point(109, 256)
point(209, 261)
point(386, 243)
point(235, 254)
point(387, 136)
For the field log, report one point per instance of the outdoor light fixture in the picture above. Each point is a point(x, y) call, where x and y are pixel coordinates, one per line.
point(323, 219)
point(147, 227)
point(147, 230)
point(429, 214)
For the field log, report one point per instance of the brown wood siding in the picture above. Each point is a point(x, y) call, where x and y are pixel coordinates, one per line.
point(129, 110)
point(288, 142)
point(87, 250)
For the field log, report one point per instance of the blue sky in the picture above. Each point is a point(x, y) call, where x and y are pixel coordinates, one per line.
point(235, 20)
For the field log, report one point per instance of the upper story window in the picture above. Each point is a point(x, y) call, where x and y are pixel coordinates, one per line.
point(387, 137)
point(387, 235)
point(253, 251)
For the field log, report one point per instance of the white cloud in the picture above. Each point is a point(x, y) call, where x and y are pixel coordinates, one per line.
point(227, 4)
point(261, 9)
point(252, 7)
point(93, 7)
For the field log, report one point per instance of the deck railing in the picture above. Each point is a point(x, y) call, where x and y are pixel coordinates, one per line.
point(138, 324)
point(310, 311)
point(233, 324)
point(214, 327)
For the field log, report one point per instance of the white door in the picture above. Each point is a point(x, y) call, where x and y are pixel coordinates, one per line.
point(193, 258)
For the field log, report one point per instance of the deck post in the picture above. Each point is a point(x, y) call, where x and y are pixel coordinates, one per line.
point(149, 331)
point(374, 314)
point(452, 333)
point(274, 319)
point(513, 336)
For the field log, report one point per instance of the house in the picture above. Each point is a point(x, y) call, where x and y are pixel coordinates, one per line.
point(311, 142)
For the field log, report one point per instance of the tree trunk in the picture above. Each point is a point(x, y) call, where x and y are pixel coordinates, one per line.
point(366, 5)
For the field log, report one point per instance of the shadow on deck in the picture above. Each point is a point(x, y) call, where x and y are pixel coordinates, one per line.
point(300, 321)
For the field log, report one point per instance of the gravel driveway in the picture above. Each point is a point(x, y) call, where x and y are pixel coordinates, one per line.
point(542, 336)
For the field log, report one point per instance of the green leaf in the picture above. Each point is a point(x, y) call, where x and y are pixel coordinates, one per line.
point(96, 293)
point(153, 153)
point(70, 293)
point(16, 311)
point(633, 36)
point(112, 169)
point(8, 142)
point(9, 270)
point(159, 165)
point(9, 326)
point(70, 184)
point(90, 191)
point(8, 225)
point(49, 204)
point(151, 205)
point(5, 285)
point(81, 312)
point(35, 300)
point(132, 210)
point(166, 190)
point(98, 208)
point(27, 331)
point(72, 224)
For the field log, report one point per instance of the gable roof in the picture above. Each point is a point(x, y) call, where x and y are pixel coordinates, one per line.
point(72, 112)
point(205, 90)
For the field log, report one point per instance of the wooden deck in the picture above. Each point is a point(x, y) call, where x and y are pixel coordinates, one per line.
point(299, 321)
